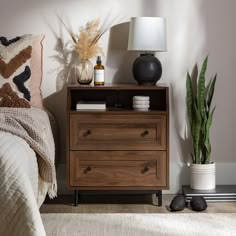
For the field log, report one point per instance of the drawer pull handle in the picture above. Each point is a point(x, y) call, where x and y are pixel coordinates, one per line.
point(87, 169)
point(146, 169)
point(145, 133)
point(87, 133)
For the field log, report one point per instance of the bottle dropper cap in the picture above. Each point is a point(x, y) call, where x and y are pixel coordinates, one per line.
point(99, 60)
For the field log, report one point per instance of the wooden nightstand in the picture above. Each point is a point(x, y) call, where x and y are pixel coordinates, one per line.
point(118, 150)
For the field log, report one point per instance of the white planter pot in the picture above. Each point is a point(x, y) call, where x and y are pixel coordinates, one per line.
point(203, 176)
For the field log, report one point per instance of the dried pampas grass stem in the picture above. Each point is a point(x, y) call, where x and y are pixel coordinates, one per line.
point(86, 42)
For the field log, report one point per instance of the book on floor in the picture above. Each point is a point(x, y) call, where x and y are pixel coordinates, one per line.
point(91, 105)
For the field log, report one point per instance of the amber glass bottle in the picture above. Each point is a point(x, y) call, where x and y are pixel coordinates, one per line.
point(99, 75)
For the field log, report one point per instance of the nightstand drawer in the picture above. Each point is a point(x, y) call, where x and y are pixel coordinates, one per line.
point(121, 132)
point(109, 168)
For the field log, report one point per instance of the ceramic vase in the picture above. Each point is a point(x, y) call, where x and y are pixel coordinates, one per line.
point(84, 72)
point(202, 176)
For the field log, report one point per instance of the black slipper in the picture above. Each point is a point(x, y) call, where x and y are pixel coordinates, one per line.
point(178, 203)
point(198, 203)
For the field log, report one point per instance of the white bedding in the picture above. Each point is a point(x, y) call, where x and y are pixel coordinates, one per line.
point(20, 195)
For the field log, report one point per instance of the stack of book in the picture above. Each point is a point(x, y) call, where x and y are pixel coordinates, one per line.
point(222, 193)
point(91, 105)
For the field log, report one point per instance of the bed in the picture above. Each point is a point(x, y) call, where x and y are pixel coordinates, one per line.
point(27, 171)
point(27, 149)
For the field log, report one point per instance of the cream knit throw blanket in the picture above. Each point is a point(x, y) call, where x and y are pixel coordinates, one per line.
point(34, 127)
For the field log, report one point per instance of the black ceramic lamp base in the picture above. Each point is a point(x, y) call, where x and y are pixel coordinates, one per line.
point(147, 69)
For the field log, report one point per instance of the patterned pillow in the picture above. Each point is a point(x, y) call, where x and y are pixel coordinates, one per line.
point(21, 71)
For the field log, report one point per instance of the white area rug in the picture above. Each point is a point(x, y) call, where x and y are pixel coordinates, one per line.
point(140, 224)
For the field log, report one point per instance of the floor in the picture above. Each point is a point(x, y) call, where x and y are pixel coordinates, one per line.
point(123, 204)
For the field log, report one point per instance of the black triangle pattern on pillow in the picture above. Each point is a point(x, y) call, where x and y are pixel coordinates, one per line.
point(20, 79)
point(6, 42)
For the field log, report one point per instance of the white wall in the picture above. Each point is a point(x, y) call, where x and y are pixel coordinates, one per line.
point(195, 28)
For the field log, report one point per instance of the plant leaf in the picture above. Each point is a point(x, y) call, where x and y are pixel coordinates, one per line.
point(202, 137)
point(196, 133)
point(194, 76)
point(201, 87)
point(206, 96)
point(207, 87)
point(207, 136)
point(211, 92)
point(189, 99)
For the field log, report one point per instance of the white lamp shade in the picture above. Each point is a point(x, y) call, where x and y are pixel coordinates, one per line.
point(147, 34)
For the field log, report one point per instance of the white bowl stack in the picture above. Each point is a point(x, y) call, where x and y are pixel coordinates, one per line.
point(141, 103)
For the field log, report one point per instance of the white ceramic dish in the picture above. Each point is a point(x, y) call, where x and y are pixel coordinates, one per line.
point(140, 106)
point(147, 103)
point(141, 98)
point(144, 109)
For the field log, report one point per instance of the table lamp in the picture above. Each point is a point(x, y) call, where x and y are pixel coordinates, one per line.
point(148, 35)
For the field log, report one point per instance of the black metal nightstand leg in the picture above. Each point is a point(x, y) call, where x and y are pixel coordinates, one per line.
point(159, 195)
point(76, 198)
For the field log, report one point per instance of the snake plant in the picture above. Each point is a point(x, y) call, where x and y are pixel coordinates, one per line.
point(200, 112)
